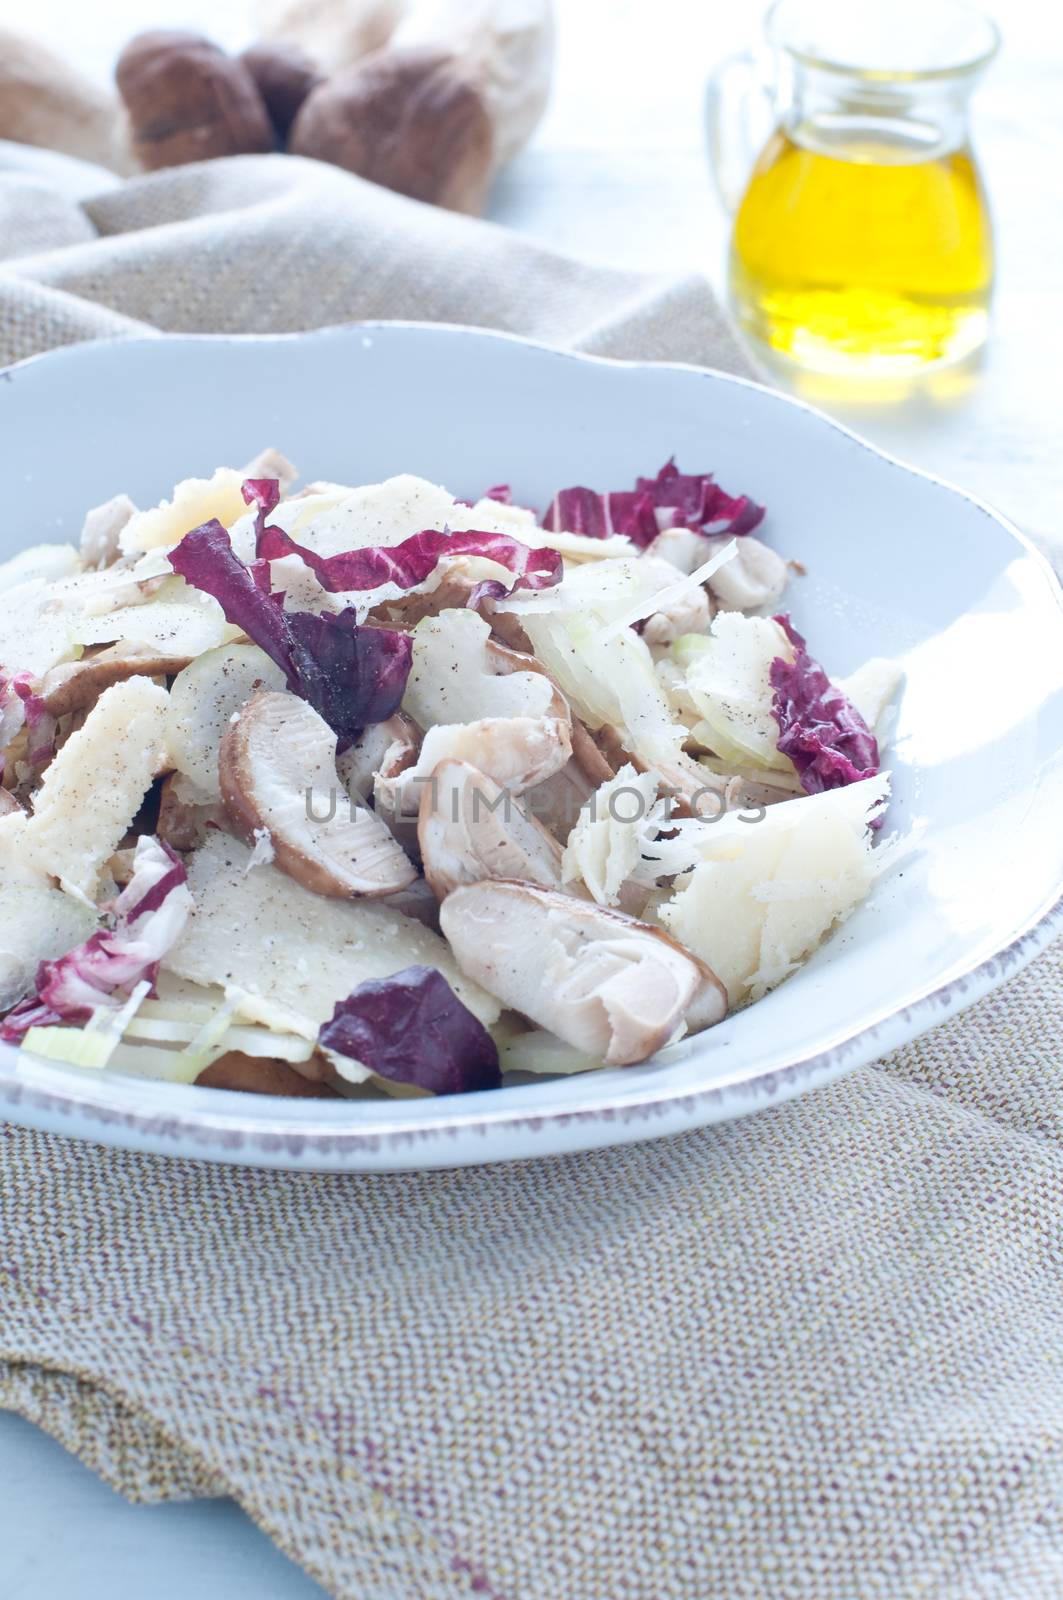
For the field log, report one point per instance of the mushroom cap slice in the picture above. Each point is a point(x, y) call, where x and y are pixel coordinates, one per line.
point(471, 829)
point(449, 587)
point(384, 749)
point(515, 752)
point(77, 684)
point(262, 1075)
point(277, 770)
point(184, 818)
point(612, 987)
point(502, 661)
point(557, 800)
point(755, 577)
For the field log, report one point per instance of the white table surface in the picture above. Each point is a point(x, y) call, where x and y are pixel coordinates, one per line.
point(617, 173)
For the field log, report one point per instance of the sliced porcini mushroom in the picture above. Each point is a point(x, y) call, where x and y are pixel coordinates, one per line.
point(418, 901)
point(754, 577)
point(184, 818)
point(269, 463)
point(75, 685)
point(694, 790)
point(8, 803)
point(502, 661)
point(612, 987)
point(262, 1075)
point(709, 1005)
point(471, 829)
point(689, 612)
point(121, 865)
point(557, 801)
point(506, 627)
point(451, 586)
point(385, 748)
point(277, 770)
point(682, 548)
point(515, 752)
point(100, 531)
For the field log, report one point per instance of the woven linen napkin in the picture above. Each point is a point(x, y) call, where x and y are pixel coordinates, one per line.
point(817, 1353)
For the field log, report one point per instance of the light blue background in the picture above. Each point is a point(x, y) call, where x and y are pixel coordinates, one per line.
point(65, 1536)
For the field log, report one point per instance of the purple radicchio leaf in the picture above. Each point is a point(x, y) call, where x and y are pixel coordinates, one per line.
point(672, 499)
point(411, 562)
point(149, 916)
point(695, 500)
point(411, 1028)
point(821, 731)
point(21, 707)
point(599, 516)
point(351, 675)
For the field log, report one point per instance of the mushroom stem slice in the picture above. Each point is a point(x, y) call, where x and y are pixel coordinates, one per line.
point(558, 800)
point(612, 987)
point(277, 769)
point(383, 749)
point(77, 684)
point(471, 829)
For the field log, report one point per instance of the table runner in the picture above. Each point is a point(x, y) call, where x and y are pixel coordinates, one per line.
point(818, 1352)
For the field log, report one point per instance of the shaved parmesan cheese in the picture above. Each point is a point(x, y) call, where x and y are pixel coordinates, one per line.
point(764, 894)
point(33, 635)
point(386, 513)
point(606, 845)
point(604, 590)
point(290, 955)
point(95, 785)
point(46, 562)
point(177, 621)
point(204, 699)
point(871, 688)
point(262, 853)
point(674, 593)
point(728, 682)
point(376, 514)
point(37, 921)
point(194, 502)
point(452, 678)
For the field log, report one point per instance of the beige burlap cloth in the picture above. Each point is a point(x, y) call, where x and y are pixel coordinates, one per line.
point(817, 1353)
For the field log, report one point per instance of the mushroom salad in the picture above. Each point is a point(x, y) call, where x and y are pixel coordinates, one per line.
point(339, 791)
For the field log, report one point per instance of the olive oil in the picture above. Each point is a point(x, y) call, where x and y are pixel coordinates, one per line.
point(862, 256)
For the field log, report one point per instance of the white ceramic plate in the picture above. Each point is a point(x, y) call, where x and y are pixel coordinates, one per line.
point(898, 565)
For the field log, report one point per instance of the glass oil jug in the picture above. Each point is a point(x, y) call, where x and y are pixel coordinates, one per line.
point(862, 242)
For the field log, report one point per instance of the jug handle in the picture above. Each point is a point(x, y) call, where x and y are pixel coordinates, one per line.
point(735, 91)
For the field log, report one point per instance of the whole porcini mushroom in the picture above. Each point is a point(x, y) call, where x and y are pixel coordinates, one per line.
point(451, 97)
point(285, 75)
point(189, 101)
point(407, 119)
